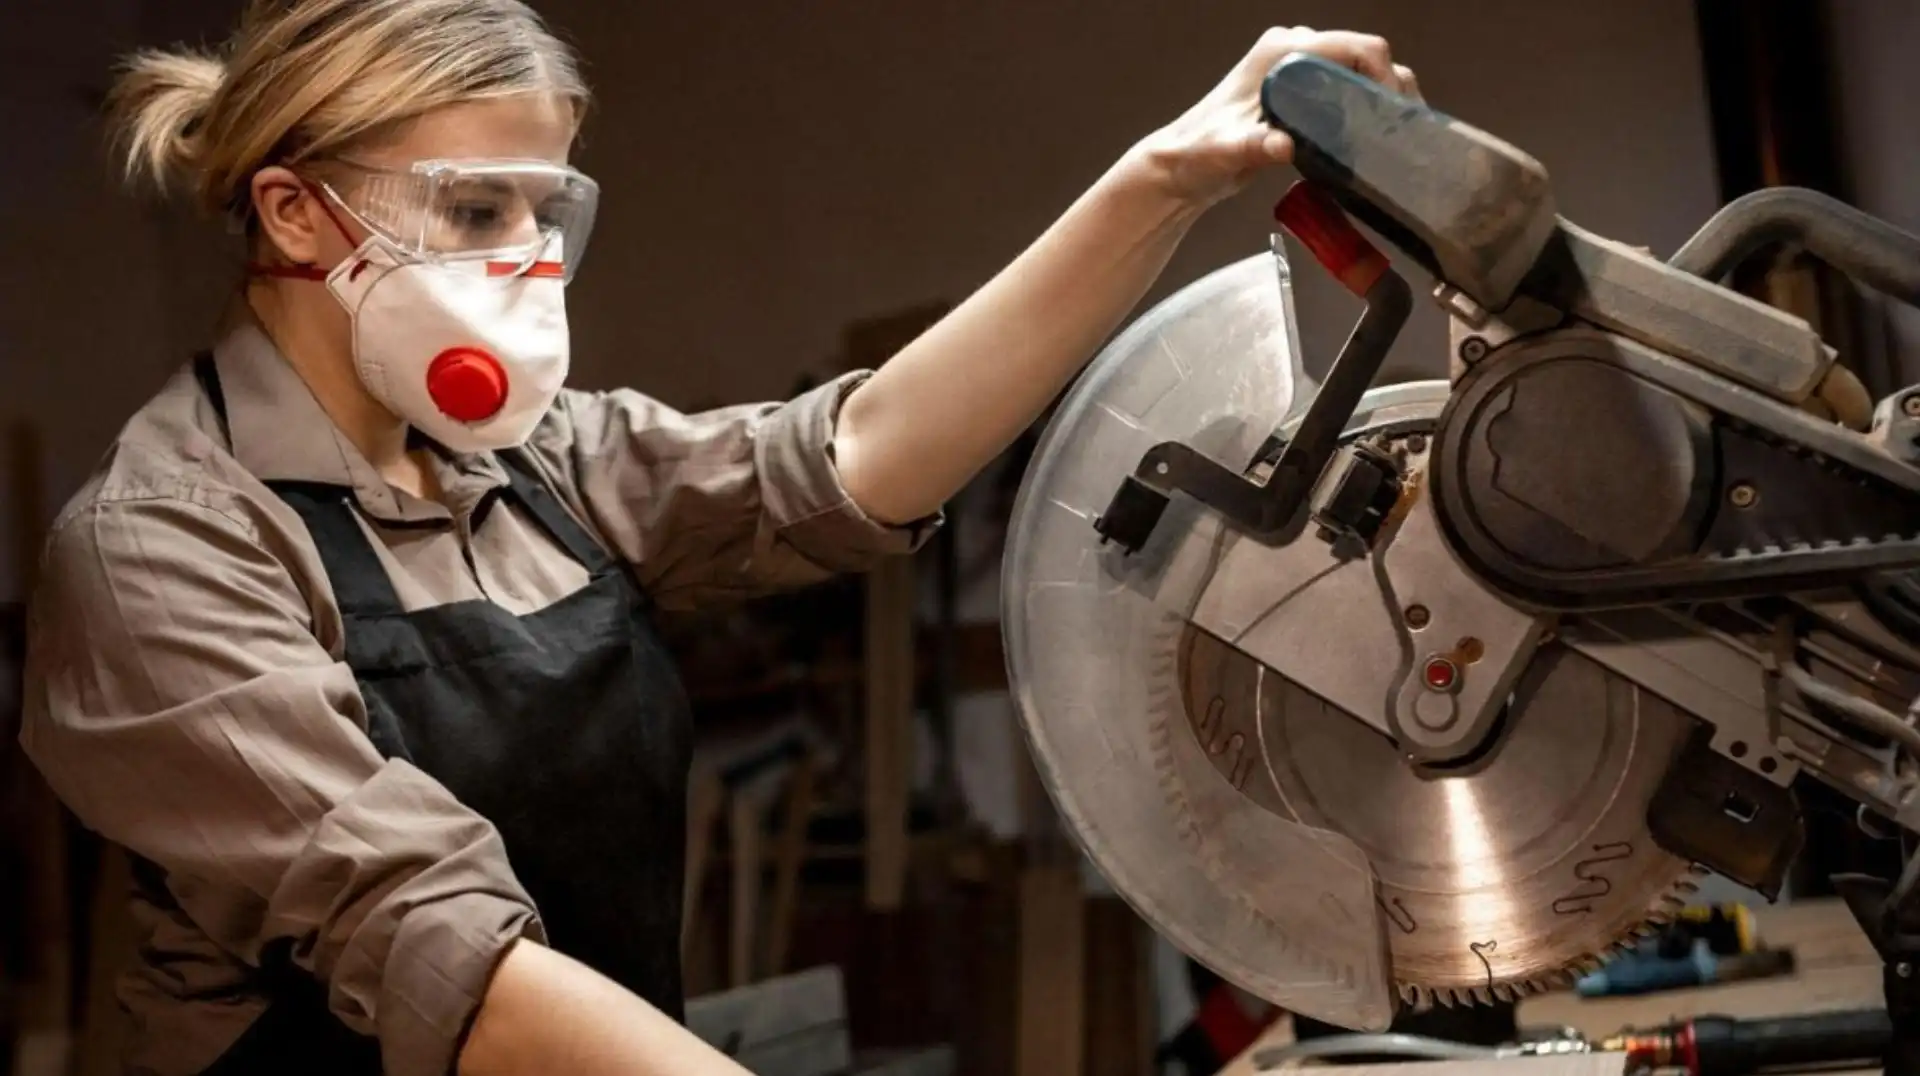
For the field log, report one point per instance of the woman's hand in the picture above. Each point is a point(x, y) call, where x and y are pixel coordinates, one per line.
point(943, 408)
point(1213, 150)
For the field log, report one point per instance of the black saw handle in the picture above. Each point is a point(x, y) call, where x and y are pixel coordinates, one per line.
point(1270, 511)
point(1867, 249)
point(1471, 209)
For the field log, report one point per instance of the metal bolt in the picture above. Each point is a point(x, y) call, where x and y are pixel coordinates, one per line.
point(1743, 496)
point(1903, 970)
point(1417, 443)
point(1418, 616)
point(1911, 405)
point(1473, 349)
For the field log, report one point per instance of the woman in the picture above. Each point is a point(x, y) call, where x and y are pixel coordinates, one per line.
point(347, 639)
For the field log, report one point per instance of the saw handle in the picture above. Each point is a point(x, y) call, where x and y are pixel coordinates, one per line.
point(1270, 512)
point(1870, 251)
point(1324, 230)
point(1469, 208)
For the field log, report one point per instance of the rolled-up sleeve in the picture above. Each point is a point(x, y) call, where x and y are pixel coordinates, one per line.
point(728, 503)
point(181, 705)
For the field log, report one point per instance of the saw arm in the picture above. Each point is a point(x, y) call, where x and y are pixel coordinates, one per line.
point(1439, 691)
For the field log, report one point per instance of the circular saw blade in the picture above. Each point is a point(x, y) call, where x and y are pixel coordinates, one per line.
point(1500, 875)
point(1275, 839)
point(1092, 661)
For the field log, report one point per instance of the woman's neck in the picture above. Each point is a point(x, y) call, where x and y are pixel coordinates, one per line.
point(379, 434)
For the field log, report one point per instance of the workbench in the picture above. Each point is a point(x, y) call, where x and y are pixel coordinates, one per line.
point(1835, 969)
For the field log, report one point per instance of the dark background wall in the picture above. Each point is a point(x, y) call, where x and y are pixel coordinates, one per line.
point(1877, 83)
point(774, 170)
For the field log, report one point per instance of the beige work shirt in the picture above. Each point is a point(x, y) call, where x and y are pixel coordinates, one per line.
point(187, 697)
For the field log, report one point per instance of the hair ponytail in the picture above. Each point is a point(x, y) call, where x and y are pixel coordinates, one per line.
point(155, 108)
point(301, 80)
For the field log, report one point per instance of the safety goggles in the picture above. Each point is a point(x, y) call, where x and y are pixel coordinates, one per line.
point(503, 212)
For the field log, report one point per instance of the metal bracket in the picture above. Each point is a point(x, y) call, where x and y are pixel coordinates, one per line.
point(1269, 512)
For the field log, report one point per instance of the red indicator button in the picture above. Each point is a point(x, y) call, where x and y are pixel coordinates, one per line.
point(1440, 674)
point(467, 384)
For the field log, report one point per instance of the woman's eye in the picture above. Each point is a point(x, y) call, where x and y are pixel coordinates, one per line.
point(475, 216)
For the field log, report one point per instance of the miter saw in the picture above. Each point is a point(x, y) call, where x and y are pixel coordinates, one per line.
point(1441, 691)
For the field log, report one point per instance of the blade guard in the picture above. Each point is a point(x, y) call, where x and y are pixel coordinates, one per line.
point(1092, 649)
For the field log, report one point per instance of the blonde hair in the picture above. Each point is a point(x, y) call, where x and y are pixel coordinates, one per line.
point(309, 79)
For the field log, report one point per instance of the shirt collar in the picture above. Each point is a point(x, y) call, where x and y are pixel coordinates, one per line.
point(280, 433)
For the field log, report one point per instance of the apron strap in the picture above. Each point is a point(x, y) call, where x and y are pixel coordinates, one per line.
point(361, 585)
point(360, 581)
point(523, 476)
point(209, 377)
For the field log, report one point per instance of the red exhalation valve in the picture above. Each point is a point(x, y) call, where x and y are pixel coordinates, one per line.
point(1317, 221)
point(467, 384)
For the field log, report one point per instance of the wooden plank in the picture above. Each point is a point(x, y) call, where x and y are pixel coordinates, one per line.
point(889, 732)
point(1049, 1036)
point(790, 856)
point(1121, 1011)
point(1554, 1065)
point(1837, 970)
point(794, 1025)
point(743, 832)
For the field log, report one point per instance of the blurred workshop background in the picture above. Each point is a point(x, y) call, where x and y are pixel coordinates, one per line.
point(795, 189)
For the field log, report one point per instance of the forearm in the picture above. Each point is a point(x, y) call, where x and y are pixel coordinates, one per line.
point(946, 405)
point(545, 1013)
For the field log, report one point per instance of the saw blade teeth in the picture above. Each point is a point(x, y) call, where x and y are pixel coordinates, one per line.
point(1661, 911)
point(1199, 674)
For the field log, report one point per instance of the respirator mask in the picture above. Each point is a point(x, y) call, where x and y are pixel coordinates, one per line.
point(457, 294)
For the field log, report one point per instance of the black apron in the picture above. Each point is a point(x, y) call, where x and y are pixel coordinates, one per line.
point(568, 729)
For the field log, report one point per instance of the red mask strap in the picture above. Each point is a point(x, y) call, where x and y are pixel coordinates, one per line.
point(305, 272)
point(288, 272)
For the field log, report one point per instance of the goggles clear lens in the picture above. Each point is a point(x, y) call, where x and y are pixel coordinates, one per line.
point(498, 211)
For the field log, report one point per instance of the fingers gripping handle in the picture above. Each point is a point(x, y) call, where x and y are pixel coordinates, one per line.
point(1471, 209)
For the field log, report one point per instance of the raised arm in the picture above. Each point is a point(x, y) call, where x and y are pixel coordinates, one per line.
point(951, 401)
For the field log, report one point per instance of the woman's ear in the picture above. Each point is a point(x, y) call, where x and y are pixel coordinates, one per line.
point(290, 214)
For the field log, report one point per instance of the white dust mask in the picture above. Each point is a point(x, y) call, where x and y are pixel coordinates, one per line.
point(471, 352)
